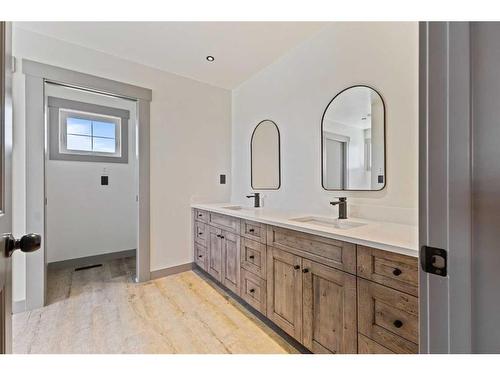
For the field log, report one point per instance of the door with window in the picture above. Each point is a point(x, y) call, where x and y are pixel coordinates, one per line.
point(7, 243)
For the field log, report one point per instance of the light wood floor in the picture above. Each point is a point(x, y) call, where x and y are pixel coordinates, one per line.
point(101, 310)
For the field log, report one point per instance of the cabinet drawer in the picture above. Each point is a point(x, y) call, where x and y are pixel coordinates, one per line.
point(200, 233)
point(395, 270)
point(253, 257)
point(388, 317)
point(333, 253)
point(368, 346)
point(229, 223)
point(200, 256)
point(201, 215)
point(253, 230)
point(253, 290)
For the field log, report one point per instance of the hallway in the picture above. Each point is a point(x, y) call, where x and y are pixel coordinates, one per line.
point(100, 310)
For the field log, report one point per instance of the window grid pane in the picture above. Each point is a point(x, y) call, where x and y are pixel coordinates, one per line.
point(90, 135)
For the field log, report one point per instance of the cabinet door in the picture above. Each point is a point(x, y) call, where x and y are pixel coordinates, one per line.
point(329, 308)
point(215, 253)
point(284, 291)
point(231, 261)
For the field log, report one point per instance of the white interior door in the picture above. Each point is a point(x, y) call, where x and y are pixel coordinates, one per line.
point(8, 244)
point(5, 193)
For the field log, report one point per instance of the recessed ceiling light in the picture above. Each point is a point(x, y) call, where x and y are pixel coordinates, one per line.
point(210, 58)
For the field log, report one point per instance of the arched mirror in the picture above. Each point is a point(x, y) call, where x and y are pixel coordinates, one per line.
point(353, 141)
point(265, 156)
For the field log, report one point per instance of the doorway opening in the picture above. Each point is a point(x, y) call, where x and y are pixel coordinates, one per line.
point(91, 188)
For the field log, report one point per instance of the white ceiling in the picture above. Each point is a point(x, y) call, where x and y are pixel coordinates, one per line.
point(240, 49)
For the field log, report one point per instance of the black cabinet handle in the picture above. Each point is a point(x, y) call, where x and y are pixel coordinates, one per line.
point(305, 270)
point(221, 236)
point(200, 215)
point(251, 230)
point(200, 256)
point(397, 272)
point(252, 290)
point(200, 233)
point(296, 267)
point(251, 257)
point(218, 235)
point(398, 323)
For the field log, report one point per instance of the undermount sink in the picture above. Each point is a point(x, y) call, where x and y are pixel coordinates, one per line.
point(329, 222)
point(237, 208)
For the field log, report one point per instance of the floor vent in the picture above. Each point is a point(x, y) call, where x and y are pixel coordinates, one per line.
point(88, 267)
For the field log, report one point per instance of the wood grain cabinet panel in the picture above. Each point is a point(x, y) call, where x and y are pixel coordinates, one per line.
point(368, 346)
point(200, 256)
point(333, 253)
point(253, 257)
point(394, 270)
point(284, 291)
point(231, 261)
point(253, 230)
point(201, 215)
point(388, 317)
point(200, 233)
point(253, 290)
point(224, 222)
point(329, 309)
point(215, 253)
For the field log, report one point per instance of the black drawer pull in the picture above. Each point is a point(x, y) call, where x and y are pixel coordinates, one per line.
point(296, 267)
point(200, 233)
point(397, 272)
point(251, 257)
point(251, 230)
point(252, 290)
point(305, 270)
point(398, 323)
point(200, 215)
point(200, 256)
point(221, 236)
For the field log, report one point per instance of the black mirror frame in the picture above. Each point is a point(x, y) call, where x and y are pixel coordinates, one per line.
point(385, 140)
point(279, 156)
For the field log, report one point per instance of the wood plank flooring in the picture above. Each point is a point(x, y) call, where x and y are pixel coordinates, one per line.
point(100, 310)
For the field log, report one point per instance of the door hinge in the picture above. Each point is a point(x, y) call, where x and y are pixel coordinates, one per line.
point(434, 260)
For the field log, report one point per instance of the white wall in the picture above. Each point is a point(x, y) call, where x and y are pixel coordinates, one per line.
point(190, 142)
point(294, 92)
point(83, 217)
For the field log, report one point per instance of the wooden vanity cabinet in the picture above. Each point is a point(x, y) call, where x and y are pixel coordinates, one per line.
point(313, 303)
point(224, 257)
point(215, 253)
point(331, 296)
point(231, 261)
point(329, 309)
point(284, 291)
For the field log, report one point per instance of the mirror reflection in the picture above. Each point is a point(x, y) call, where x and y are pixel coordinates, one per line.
point(353, 141)
point(265, 156)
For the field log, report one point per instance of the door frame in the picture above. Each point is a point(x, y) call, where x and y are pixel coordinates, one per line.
point(36, 75)
point(445, 184)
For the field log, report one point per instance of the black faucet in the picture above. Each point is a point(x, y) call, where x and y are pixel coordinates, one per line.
point(256, 197)
point(342, 202)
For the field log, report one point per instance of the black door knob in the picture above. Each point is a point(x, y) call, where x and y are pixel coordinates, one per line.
point(252, 290)
point(27, 244)
point(296, 267)
point(305, 270)
point(397, 272)
point(251, 257)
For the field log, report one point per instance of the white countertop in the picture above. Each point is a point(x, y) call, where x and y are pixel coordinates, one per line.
point(397, 238)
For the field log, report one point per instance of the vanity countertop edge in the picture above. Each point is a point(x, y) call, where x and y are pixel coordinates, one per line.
point(392, 237)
